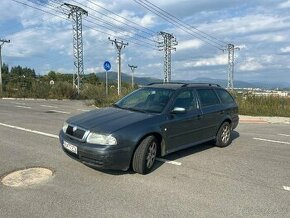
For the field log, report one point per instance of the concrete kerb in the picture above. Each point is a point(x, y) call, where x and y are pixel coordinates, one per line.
point(262, 119)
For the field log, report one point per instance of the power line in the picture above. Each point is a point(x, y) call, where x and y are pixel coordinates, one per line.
point(115, 26)
point(112, 25)
point(39, 9)
point(109, 16)
point(182, 27)
point(148, 31)
point(183, 23)
point(89, 27)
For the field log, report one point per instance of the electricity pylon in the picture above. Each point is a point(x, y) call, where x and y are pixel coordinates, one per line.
point(75, 14)
point(166, 45)
point(119, 46)
point(132, 67)
point(231, 65)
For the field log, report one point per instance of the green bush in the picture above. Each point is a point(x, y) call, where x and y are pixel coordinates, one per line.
point(62, 90)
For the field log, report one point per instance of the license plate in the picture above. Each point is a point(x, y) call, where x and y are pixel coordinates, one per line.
point(70, 147)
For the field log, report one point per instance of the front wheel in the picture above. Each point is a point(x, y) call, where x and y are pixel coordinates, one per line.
point(223, 137)
point(145, 155)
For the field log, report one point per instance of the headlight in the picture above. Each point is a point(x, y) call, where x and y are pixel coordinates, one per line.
point(64, 128)
point(95, 138)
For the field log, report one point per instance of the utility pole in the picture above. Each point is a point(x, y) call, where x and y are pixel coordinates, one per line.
point(133, 70)
point(231, 64)
point(119, 46)
point(2, 41)
point(76, 13)
point(166, 45)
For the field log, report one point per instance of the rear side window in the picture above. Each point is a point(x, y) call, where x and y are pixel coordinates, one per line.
point(225, 97)
point(207, 97)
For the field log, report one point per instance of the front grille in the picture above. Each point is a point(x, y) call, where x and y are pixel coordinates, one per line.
point(75, 132)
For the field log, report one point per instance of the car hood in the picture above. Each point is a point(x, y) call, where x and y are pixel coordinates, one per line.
point(107, 120)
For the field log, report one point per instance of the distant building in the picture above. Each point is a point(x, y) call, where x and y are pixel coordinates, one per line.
point(261, 92)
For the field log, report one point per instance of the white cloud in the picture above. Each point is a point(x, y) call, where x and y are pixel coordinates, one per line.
point(250, 66)
point(242, 46)
point(217, 60)
point(154, 65)
point(189, 44)
point(93, 69)
point(270, 37)
point(285, 4)
point(36, 41)
point(285, 50)
point(254, 63)
point(250, 23)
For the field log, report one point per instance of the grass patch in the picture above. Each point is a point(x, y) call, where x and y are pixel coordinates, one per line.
point(263, 105)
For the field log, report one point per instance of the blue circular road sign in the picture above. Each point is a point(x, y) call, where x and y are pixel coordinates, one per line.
point(107, 65)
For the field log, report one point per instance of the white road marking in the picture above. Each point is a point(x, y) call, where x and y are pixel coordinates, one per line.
point(287, 188)
point(61, 112)
point(29, 130)
point(56, 137)
point(269, 140)
point(23, 107)
point(50, 106)
point(284, 135)
point(169, 161)
point(84, 110)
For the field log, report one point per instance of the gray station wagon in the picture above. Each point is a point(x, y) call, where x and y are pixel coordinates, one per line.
point(154, 120)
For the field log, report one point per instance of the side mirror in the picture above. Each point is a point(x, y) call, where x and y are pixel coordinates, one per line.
point(178, 110)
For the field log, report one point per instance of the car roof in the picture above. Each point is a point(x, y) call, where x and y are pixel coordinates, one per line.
point(176, 85)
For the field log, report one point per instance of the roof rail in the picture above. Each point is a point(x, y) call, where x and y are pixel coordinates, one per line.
point(184, 84)
point(156, 83)
point(209, 84)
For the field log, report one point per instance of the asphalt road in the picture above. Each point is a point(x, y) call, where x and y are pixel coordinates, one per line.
point(249, 178)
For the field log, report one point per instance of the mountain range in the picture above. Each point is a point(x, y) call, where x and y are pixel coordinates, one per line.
point(112, 77)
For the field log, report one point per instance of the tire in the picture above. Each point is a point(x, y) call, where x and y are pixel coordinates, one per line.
point(145, 155)
point(223, 137)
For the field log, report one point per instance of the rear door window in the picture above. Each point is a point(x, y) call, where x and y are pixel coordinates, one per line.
point(187, 100)
point(207, 97)
point(225, 97)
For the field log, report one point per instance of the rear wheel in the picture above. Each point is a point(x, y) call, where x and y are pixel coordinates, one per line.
point(223, 137)
point(145, 155)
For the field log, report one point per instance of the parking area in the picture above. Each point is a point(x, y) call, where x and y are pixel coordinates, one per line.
point(251, 177)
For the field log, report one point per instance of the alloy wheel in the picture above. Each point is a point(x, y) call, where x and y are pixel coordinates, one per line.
point(151, 155)
point(226, 132)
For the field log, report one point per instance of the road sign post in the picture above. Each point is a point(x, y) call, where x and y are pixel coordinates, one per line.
point(107, 67)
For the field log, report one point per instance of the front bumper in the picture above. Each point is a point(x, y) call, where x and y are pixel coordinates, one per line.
point(96, 156)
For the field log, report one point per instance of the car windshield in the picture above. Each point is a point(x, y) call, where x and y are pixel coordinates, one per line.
point(152, 100)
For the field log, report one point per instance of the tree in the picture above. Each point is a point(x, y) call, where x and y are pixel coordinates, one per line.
point(91, 79)
point(52, 75)
point(5, 74)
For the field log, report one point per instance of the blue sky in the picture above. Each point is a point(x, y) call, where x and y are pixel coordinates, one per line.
point(261, 29)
